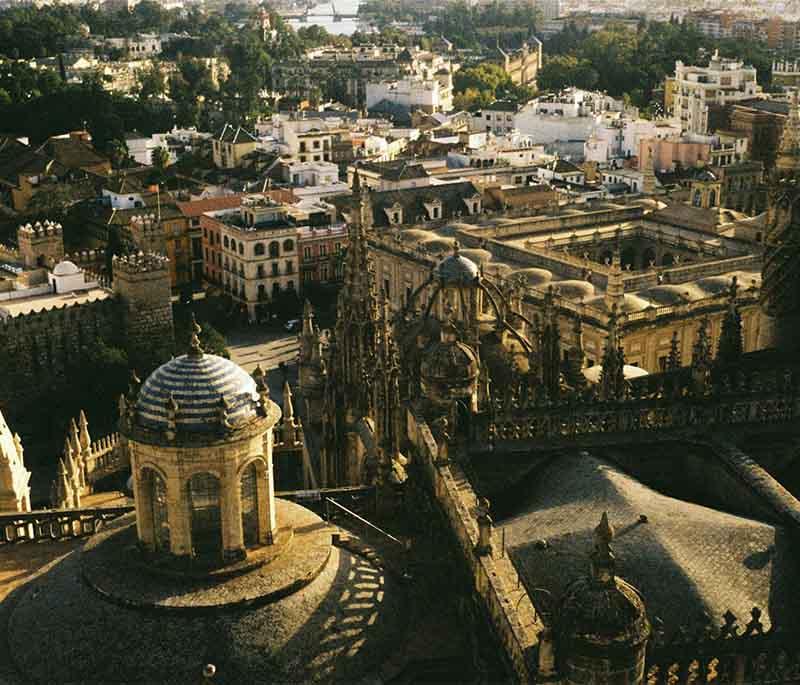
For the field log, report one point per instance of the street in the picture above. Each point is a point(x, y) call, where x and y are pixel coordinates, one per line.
point(254, 345)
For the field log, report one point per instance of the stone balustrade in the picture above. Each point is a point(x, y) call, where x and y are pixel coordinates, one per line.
point(55, 524)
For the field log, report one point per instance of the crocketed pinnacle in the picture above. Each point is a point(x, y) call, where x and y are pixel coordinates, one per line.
point(602, 556)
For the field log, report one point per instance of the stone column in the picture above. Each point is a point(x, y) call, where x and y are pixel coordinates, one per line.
point(143, 495)
point(231, 512)
point(179, 515)
point(270, 521)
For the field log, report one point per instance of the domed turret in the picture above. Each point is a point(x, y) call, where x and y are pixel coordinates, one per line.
point(201, 457)
point(449, 368)
point(456, 270)
point(603, 626)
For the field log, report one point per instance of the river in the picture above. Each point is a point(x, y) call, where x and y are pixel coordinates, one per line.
point(322, 15)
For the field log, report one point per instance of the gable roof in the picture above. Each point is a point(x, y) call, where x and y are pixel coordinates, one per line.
point(395, 170)
point(73, 153)
point(412, 202)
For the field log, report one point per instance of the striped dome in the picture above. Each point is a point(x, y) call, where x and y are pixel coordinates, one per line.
point(197, 383)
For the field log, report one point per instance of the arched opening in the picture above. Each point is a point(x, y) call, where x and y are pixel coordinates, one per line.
point(204, 501)
point(712, 198)
point(288, 245)
point(258, 250)
point(249, 490)
point(628, 257)
point(274, 249)
point(667, 259)
point(648, 258)
point(156, 490)
point(606, 257)
point(697, 198)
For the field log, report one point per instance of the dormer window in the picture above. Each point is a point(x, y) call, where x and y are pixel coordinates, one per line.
point(473, 204)
point(394, 213)
point(434, 209)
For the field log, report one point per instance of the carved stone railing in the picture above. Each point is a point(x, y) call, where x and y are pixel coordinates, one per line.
point(513, 422)
point(106, 456)
point(56, 524)
point(726, 655)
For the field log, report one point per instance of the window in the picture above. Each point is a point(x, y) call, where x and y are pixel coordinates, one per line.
point(474, 207)
point(258, 249)
point(206, 254)
point(289, 267)
point(303, 146)
point(337, 247)
point(225, 242)
point(276, 290)
point(409, 293)
point(274, 249)
point(386, 286)
point(323, 250)
point(205, 233)
point(260, 271)
point(316, 145)
point(241, 248)
point(288, 245)
point(435, 212)
point(290, 285)
point(324, 272)
point(307, 252)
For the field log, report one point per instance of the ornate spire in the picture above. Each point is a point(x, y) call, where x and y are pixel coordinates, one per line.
point(602, 555)
point(615, 285)
point(612, 376)
point(788, 161)
point(674, 359)
point(730, 349)
point(195, 348)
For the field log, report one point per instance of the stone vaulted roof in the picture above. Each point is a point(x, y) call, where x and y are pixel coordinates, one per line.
point(686, 560)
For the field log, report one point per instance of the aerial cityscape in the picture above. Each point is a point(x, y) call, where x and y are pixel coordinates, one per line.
point(399, 342)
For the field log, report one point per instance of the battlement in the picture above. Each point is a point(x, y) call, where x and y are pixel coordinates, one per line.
point(140, 263)
point(40, 229)
point(145, 223)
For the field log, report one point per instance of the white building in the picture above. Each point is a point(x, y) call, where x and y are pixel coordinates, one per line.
point(571, 115)
point(723, 81)
point(429, 95)
point(514, 150)
point(140, 46)
point(141, 148)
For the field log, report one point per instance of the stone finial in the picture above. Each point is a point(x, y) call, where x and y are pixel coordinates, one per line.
point(288, 407)
point(83, 429)
point(602, 556)
point(195, 348)
point(223, 407)
point(172, 417)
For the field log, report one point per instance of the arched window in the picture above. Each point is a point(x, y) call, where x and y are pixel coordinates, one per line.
point(274, 249)
point(696, 200)
point(233, 245)
point(241, 248)
point(712, 198)
point(288, 245)
point(258, 249)
point(225, 241)
point(276, 289)
point(249, 492)
point(156, 492)
point(204, 492)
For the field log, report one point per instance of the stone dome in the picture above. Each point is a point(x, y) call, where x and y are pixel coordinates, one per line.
point(449, 362)
point(201, 385)
point(66, 268)
point(602, 610)
point(603, 614)
point(457, 270)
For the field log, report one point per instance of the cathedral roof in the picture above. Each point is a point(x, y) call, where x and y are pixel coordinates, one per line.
point(199, 384)
point(687, 560)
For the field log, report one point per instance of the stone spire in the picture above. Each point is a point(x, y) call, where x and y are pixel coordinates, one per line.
point(288, 407)
point(674, 359)
point(602, 556)
point(729, 350)
point(615, 286)
point(612, 376)
point(85, 438)
point(15, 491)
point(550, 345)
point(61, 495)
point(788, 161)
point(701, 358)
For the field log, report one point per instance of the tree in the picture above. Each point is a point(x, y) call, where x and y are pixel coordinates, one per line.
point(160, 158)
point(152, 82)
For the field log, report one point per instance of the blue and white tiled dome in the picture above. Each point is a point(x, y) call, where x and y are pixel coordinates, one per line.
point(198, 383)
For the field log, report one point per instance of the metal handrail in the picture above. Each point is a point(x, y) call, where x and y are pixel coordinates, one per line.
point(361, 519)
